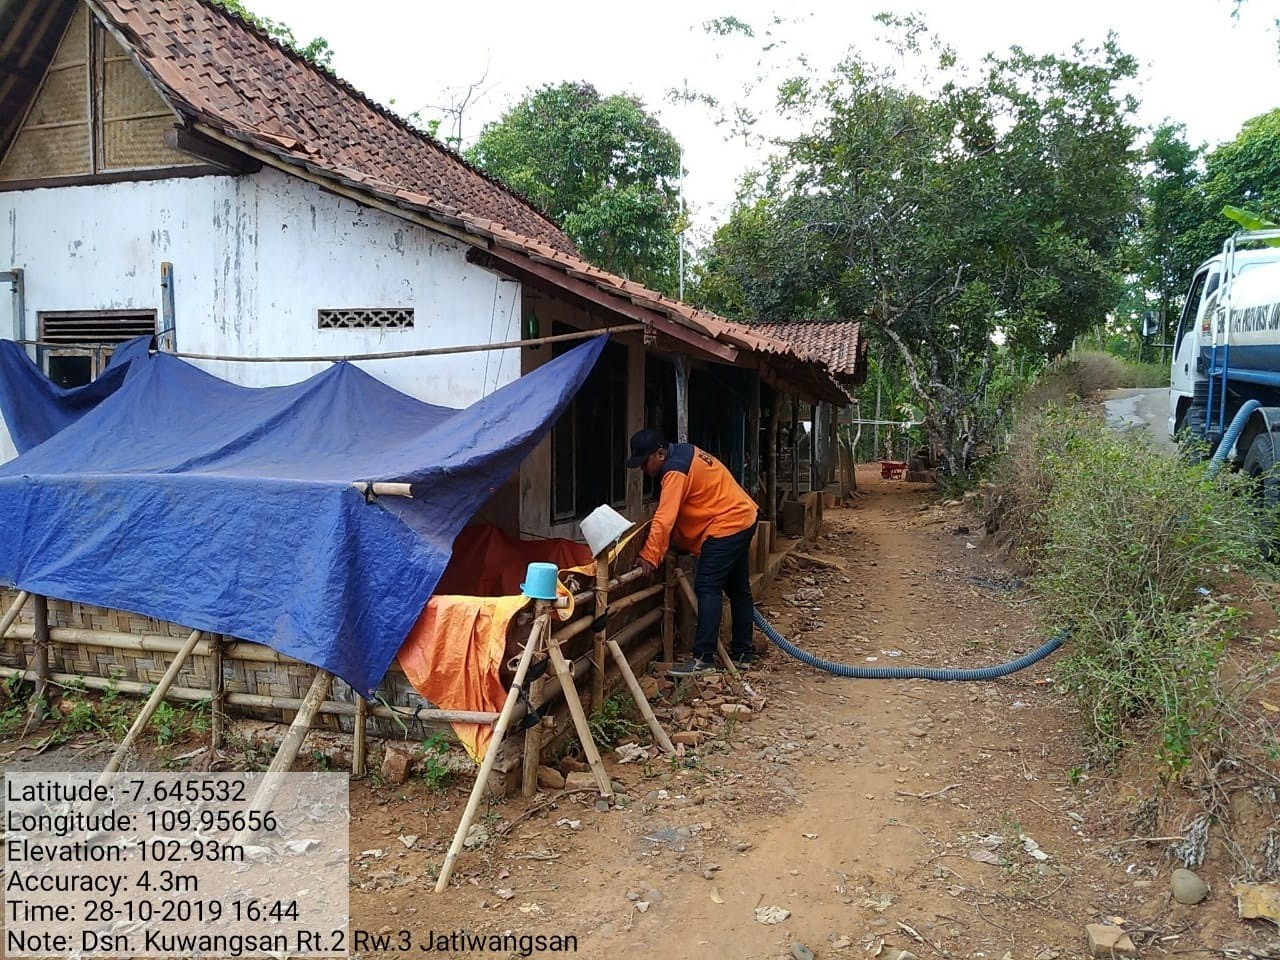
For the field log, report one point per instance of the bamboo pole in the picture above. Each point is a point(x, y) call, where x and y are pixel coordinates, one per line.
point(154, 643)
point(570, 691)
point(260, 701)
point(40, 632)
point(149, 708)
point(598, 641)
point(424, 352)
point(659, 735)
point(217, 693)
point(541, 631)
point(692, 599)
point(638, 597)
point(274, 778)
point(11, 614)
point(360, 738)
point(669, 611)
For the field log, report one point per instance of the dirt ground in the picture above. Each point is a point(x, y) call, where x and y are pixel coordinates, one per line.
point(867, 817)
point(943, 819)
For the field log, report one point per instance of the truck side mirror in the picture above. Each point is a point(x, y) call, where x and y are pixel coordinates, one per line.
point(1150, 323)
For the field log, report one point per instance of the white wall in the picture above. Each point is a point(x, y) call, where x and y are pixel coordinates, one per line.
point(254, 257)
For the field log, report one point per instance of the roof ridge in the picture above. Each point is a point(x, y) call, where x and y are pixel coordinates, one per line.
point(385, 111)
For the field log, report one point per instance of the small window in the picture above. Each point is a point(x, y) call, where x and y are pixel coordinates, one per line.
point(380, 318)
point(76, 346)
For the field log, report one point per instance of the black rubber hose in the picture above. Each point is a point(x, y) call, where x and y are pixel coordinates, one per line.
point(908, 673)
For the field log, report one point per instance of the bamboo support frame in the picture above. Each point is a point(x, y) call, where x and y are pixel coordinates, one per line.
point(692, 599)
point(542, 628)
point(149, 708)
point(360, 738)
point(598, 641)
point(669, 610)
point(40, 633)
point(217, 694)
point(262, 701)
point(153, 643)
point(659, 735)
point(11, 614)
point(570, 691)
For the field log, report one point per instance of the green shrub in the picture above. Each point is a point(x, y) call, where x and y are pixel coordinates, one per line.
point(614, 721)
point(1131, 549)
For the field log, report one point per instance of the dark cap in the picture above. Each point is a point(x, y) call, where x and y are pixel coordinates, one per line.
point(643, 443)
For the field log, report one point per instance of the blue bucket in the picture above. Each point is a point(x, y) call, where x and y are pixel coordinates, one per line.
point(540, 581)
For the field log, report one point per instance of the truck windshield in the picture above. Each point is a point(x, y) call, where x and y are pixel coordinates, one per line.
point(1191, 307)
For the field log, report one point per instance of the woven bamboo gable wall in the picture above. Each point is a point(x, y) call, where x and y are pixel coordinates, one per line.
point(95, 113)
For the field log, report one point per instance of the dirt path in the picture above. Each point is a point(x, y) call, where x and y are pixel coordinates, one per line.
point(943, 819)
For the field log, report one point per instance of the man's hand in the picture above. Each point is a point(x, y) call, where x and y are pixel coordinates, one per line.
point(643, 564)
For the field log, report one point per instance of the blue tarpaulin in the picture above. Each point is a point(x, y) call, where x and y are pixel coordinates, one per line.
point(230, 509)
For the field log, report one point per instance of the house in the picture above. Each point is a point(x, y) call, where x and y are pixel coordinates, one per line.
point(165, 167)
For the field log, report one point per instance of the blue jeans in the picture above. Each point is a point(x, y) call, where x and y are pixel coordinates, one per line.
point(724, 567)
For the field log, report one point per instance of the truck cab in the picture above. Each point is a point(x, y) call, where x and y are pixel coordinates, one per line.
point(1201, 334)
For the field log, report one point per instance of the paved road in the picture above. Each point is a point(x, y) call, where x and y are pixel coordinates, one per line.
point(1146, 407)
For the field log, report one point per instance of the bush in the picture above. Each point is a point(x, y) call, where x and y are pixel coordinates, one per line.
point(1130, 550)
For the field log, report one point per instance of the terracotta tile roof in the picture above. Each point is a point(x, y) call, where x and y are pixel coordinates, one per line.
point(219, 71)
point(837, 343)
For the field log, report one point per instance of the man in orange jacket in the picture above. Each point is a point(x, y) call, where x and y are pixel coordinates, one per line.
point(701, 509)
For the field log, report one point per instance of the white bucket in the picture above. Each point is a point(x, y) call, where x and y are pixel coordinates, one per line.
point(602, 527)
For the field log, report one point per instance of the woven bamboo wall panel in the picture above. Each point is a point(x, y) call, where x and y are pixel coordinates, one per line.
point(139, 144)
point(56, 152)
point(75, 42)
point(64, 98)
point(288, 679)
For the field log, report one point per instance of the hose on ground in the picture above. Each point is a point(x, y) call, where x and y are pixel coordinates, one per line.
point(1233, 433)
point(908, 673)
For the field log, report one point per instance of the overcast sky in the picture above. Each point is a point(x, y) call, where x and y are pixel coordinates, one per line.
point(1200, 66)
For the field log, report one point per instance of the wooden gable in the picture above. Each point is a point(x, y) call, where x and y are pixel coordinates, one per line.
point(95, 115)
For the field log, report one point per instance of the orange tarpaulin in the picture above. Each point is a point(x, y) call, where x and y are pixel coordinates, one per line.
point(453, 654)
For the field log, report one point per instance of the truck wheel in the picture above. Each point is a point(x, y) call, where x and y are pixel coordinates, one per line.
point(1260, 466)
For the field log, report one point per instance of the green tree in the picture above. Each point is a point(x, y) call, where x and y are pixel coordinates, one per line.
point(317, 50)
point(1173, 209)
point(602, 168)
point(988, 212)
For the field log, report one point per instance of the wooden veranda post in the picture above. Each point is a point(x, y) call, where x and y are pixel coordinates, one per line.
point(775, 410)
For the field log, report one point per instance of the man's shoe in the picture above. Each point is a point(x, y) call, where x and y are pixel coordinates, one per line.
point(742, 662)
point(693, 667)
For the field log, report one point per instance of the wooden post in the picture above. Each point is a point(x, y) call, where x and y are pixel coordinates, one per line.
point(39, 707)
point(682, 398)
point(795, 447)
point(570, 691)
point(597, 650)
point(755, 474)
point(217, 693)
point(11, 614)
point(541, 628)
point(533, 736)
point(659, 735)
point(771, 463)
point(669, 611)
point(360, 737)
point(149, 708)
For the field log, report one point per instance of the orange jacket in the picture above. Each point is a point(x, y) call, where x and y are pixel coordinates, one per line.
point(699, 499)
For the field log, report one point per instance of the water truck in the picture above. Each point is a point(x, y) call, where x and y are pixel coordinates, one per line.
point(1226, 352)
